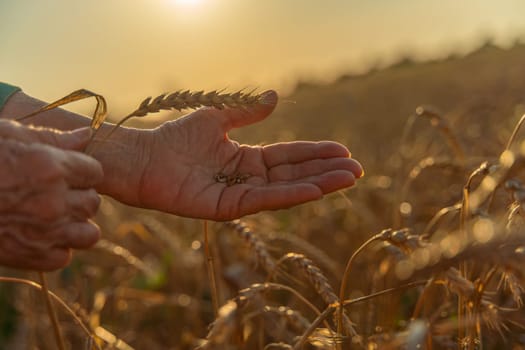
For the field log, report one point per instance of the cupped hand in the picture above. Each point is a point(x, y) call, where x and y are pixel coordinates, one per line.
point(46, 196)
point(190, 167)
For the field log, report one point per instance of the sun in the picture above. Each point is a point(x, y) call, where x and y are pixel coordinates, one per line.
point(189, 11)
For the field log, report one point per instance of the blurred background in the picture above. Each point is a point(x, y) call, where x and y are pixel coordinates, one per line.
point(126, 50)
point(351, 71)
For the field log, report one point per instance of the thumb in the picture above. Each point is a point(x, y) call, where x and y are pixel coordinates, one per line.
point(71, 140)
point(237, 117)
point(76, 140)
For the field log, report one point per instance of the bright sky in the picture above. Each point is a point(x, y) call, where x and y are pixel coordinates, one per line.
point(129, 49)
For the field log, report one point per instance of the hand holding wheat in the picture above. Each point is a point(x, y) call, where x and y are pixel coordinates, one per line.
point(46, 196)
point(173, 168)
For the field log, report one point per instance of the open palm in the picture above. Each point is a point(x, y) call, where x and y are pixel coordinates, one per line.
point(180, 167)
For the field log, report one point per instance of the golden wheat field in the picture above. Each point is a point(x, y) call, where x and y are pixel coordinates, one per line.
point(427, 251)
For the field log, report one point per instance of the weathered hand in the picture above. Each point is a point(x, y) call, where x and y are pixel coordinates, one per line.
point(180, 167)
point(46, 196)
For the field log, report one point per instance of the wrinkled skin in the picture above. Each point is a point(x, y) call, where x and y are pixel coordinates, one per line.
point(46, 196)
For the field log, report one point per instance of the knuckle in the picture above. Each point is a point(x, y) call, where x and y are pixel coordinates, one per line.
point(46, 162)
point(54, 208)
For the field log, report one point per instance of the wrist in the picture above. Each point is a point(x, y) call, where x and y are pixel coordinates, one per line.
point(121, 155)
point(20, 105)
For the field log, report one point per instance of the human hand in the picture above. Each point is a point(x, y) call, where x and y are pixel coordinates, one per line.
point(46, 196)
point(177, 167)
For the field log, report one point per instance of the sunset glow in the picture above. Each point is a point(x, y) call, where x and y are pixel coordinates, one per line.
point(162, 45)
point(186, 2)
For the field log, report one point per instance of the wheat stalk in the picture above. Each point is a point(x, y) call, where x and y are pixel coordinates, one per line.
point(125, 254)
point(228, 316)
point(277, 346)
point(515, 287)
point(60, 301)
point(210, 267)
point(332, 308)
point(51, 312)
point(383, 235)
point(502, 248)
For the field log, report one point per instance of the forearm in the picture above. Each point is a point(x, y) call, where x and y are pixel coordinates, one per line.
point(20, 104)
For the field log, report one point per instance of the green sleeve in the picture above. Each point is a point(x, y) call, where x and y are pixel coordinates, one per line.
point(6, 91)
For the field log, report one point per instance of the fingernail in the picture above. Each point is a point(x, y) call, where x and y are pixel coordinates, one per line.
point(362, 173)
point(269, 97)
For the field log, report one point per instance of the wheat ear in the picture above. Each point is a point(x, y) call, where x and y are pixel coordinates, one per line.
point(321, 285)
point(180, 100)
point(255, 243)
point(293, 317)
point(439, 122)
point(187, 99)
point(227, 321)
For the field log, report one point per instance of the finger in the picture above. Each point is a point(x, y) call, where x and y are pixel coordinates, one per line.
point(82, 204)
point(20, 256)
point(81, 171)
point(13, 130)
point(300, 151)
point(56, 258)
point(10, 129)
point(50, 163)
point(277, 197)
point(71, 140)
point(236, 117)
point(331, 181)
point(43, 205)
point(76, 140)
point(79, 235)
point(290, 172)
point(48, 205)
